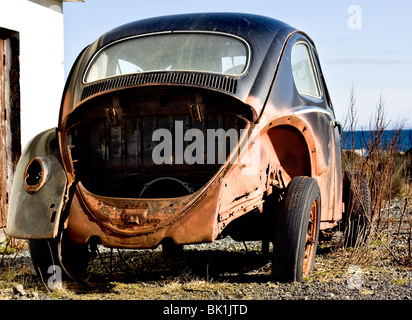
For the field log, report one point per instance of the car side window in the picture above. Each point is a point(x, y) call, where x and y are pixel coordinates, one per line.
point(304, 72)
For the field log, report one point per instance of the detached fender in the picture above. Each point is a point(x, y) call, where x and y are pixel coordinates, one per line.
point(38, 191)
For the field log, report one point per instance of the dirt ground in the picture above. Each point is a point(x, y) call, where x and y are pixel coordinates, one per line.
point(224, 270)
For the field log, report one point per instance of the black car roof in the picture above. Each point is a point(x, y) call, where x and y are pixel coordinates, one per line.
point(266, 38)
point(251, 27)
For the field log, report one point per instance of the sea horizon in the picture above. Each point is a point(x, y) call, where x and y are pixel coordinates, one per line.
point(361, 138)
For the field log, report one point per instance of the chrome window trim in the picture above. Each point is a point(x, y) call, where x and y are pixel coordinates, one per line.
point(247, 65)
point(315, 71)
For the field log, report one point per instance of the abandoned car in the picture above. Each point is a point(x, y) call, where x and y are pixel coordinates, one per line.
point(180, 130)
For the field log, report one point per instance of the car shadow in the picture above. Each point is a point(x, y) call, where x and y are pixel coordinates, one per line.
point(190, 264)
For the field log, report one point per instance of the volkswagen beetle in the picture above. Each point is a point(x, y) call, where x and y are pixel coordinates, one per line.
point(181, 130)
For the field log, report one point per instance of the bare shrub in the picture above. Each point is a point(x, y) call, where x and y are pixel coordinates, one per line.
point(387, 171)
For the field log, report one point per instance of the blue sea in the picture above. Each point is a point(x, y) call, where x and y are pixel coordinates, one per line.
point(361, 139)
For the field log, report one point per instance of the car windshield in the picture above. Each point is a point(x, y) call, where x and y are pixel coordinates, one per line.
point(204, 52)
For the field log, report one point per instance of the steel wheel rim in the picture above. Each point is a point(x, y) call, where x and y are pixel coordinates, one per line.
point(310, 241)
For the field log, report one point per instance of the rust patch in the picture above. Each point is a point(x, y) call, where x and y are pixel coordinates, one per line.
point(134, 216)
point(36, 174)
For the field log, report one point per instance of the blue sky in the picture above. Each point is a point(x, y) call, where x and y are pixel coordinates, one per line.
point(361, 43)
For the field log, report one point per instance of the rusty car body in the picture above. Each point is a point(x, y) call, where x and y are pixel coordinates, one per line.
point(93, 179)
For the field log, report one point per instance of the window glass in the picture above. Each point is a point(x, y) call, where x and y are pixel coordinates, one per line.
point(204, 52)
point(303, 71)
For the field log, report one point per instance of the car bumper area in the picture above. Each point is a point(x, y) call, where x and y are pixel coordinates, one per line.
point(144, 223)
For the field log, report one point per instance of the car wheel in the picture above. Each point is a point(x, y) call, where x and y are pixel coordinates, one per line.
point(58, 257)
point(297, 231)
point(44, 256)
point(357, 202)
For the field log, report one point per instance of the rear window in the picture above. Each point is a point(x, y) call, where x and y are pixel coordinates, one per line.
point(204, 52)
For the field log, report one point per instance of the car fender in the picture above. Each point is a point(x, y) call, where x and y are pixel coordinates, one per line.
point(39, 189)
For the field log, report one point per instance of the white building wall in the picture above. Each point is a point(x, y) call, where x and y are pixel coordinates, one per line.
point(41, 61)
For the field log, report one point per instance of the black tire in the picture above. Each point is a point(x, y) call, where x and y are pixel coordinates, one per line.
point(70, 259)
point(297, 233)
point(44, 255)
point(357, 202)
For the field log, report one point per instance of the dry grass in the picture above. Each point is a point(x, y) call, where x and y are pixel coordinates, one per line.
point(389, 174)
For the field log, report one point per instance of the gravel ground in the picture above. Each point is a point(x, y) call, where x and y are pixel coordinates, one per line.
point(223, 270)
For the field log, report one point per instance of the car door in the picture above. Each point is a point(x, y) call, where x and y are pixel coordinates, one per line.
point(315, 107)
point(335, 142)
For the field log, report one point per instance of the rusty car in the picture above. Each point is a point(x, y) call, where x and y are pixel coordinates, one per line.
point(185, 129)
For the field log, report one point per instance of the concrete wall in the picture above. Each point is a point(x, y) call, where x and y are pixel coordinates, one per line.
point(40, 27)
